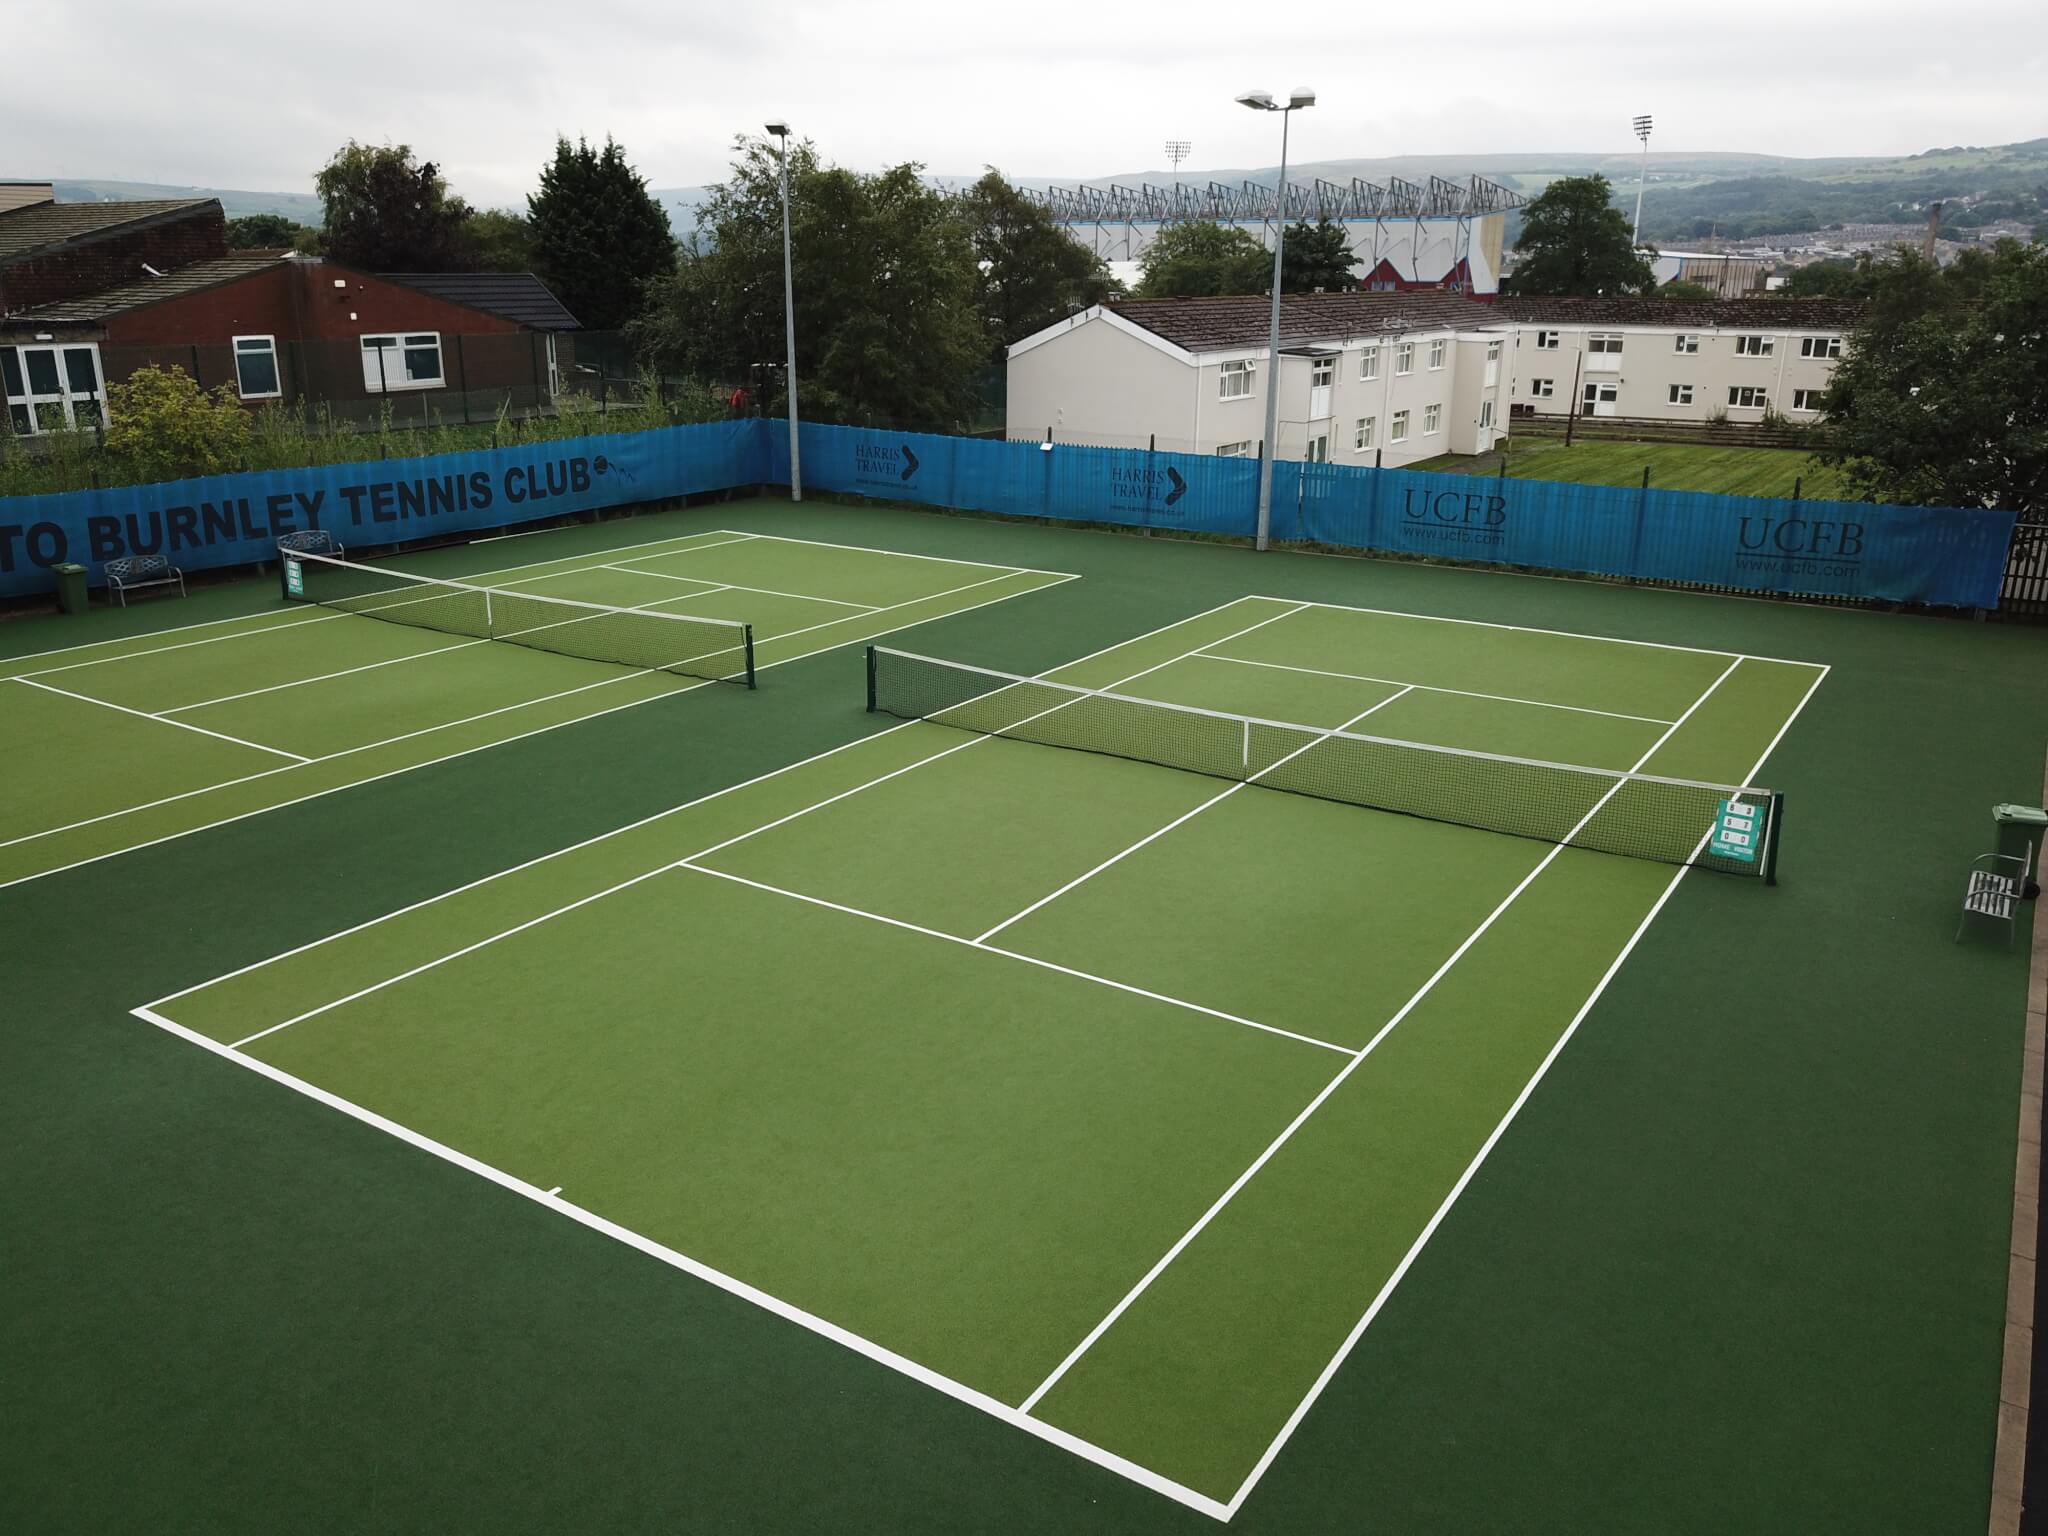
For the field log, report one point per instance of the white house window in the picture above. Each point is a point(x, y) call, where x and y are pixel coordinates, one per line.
point(1493, 351)
point(1432, 419)
point(51, 388)
point(1362, 438)
point(1542, 389)
point(1748, 397)
point(1754, 346)
point(410, 361)
point(256, 375)
point(1319, 448)
point(1239, 450)
point(1820, 346)
point(1604, 342)
point(1685, 342)
point(1436, 355)
point(1546, 341)
point(1369, 363)
point(1399, 432)
point(1404, 358)
point(1322, 373)
point(1236, 383)
point(1806, 399)
point(1681, 394)
point(1485, 415)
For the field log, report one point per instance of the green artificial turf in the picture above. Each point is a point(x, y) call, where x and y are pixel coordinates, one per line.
point(1672, 466)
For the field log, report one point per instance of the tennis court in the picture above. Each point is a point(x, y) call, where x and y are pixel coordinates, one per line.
point(153, 736)
point(1111, 1091)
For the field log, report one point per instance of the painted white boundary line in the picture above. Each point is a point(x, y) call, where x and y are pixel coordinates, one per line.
point(739, 586)
point(958, 1391)
point(630, 827)
point(1337, 1360)
point(143, 714)
point(520, 736)
point(1564, 634)
point(182, 645)
point(1286, 1135)
point(300, 682)
point(905, 554)
point(1463, 693)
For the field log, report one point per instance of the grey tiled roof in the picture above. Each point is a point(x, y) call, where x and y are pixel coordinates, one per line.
point(1701, 314)
point(151, 290)
point(1240, 320)
point(40, 226)
point(516, 296)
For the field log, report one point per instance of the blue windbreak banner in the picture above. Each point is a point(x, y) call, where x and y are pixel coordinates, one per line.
point(236, 519)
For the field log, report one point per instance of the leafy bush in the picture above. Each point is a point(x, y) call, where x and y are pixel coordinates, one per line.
point(168, 428)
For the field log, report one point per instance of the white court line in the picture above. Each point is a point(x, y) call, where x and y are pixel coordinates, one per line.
point(1465, 693)
point(1115, 858)
point(142, 714)
point(182, 645)
point(904, 554)
point(1351, 1339)
point(300, 682)
point(1566, 634)
point(740, 586)
point(1131, 1471)
point(1007, 954)
point(1145, 1283)
point(733, 536)
point(520, 736)
point(773, 773)
point(525, 533)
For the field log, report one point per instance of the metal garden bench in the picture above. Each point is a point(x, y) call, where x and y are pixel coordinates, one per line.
point(133, 573)
point(1994, 894)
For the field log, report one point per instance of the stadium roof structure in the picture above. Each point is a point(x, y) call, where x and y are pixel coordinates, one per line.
point(1149, 202)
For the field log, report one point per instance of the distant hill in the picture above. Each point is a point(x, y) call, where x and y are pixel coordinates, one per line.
point(302, 207)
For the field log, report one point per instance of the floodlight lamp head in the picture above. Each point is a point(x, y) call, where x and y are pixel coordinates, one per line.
point(1258, 101)
point(1643, 127)
point(779, 128)
point(1300, 96)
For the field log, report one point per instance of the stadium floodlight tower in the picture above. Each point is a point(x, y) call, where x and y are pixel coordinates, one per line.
point(1262, 101)
point(780, 130)
point(1642, 175)
point(1177, 151)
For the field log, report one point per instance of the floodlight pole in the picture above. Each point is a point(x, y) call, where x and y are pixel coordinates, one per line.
point(1642, 175)
point(1260, 101)
point(796, 473)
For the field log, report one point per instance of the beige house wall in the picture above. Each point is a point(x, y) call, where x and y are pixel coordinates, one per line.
point(1650, 364)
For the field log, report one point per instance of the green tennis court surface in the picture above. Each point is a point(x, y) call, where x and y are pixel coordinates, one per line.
point(1110, 1098)
point(157, 735)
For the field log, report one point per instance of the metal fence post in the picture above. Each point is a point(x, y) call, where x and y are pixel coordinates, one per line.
point(462, 376)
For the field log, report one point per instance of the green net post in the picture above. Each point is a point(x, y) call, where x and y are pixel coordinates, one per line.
point(285, 566)
point(1771, 840)
point(747, 635)
point(871, 679)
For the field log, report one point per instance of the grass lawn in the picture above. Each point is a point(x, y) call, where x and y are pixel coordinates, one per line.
point(1675, 466)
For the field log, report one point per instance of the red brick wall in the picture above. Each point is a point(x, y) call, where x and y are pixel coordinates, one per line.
point(117, 258)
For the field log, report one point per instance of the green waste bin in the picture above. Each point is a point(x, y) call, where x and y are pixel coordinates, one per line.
point(2019, 836)
point(71, 595)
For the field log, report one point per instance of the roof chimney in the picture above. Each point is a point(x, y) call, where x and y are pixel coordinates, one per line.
point(1933, 230)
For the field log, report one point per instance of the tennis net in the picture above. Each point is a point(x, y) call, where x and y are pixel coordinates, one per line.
point(720, 649)
point(1725, 827)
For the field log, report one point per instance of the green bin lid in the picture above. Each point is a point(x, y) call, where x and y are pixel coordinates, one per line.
point(68, 569)
point(2025, 815)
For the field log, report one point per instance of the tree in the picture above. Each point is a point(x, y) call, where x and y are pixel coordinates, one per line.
point(1199, 258)
point(598, 235)
point(1942, 396)
point(888, 333)
point(500, 241)
point(270, 232)
point(1830, 279)
point(1317, 256)
point(1031, 271)
point(169, 428)
point(1696, 293)
point(1575, 241)
point(386, 213)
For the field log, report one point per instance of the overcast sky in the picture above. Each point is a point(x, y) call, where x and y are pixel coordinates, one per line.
point(252, 94)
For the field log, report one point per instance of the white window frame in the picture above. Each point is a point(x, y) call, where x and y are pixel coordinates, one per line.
point(1755, 345)
point(1678, 394)
point(1404, 358)
point(1604, 343)
point(1807, 399)
point(1397, 430)
point(64, 398)
point(1542, 389)
point(1826, 348)
point(1240, 373)
point(1318, 449)
point(1369, 364)
point(1760, 397)
point(1362, 434)
point(1546, 341)
point(1322, 372)
point(374, 345)
point(1432, 420)
point(1437, 350)
point(1493, 351)
point(1486, 415)
point(1686, 342)
point(267, 349)
point(1237, 450)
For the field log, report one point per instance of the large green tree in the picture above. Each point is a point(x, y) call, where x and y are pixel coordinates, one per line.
point(387, 212)
point(1031, 271)
point(888, 332)
point(1575, 241)
point(271, 232)
point(598, 235)
point(1942, 396)
point(1317, 256)
point(1197, 258)
point(501, 241)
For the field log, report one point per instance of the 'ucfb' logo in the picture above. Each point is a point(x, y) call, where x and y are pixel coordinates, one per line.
point(1809, 538)
point(1456, 517)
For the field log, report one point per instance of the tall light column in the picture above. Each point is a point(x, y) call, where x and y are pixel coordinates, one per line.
point(1262, 101)
point(796, 473)
point(1643, 133)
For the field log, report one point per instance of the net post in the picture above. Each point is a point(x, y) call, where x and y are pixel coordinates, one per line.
point(1245, 753)
point(747, 639)
point(284, 577)
point(871, 679)
point(1771, 840)
point(489, 627)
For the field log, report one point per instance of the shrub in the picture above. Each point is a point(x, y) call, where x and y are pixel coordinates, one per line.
point(168, 428)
